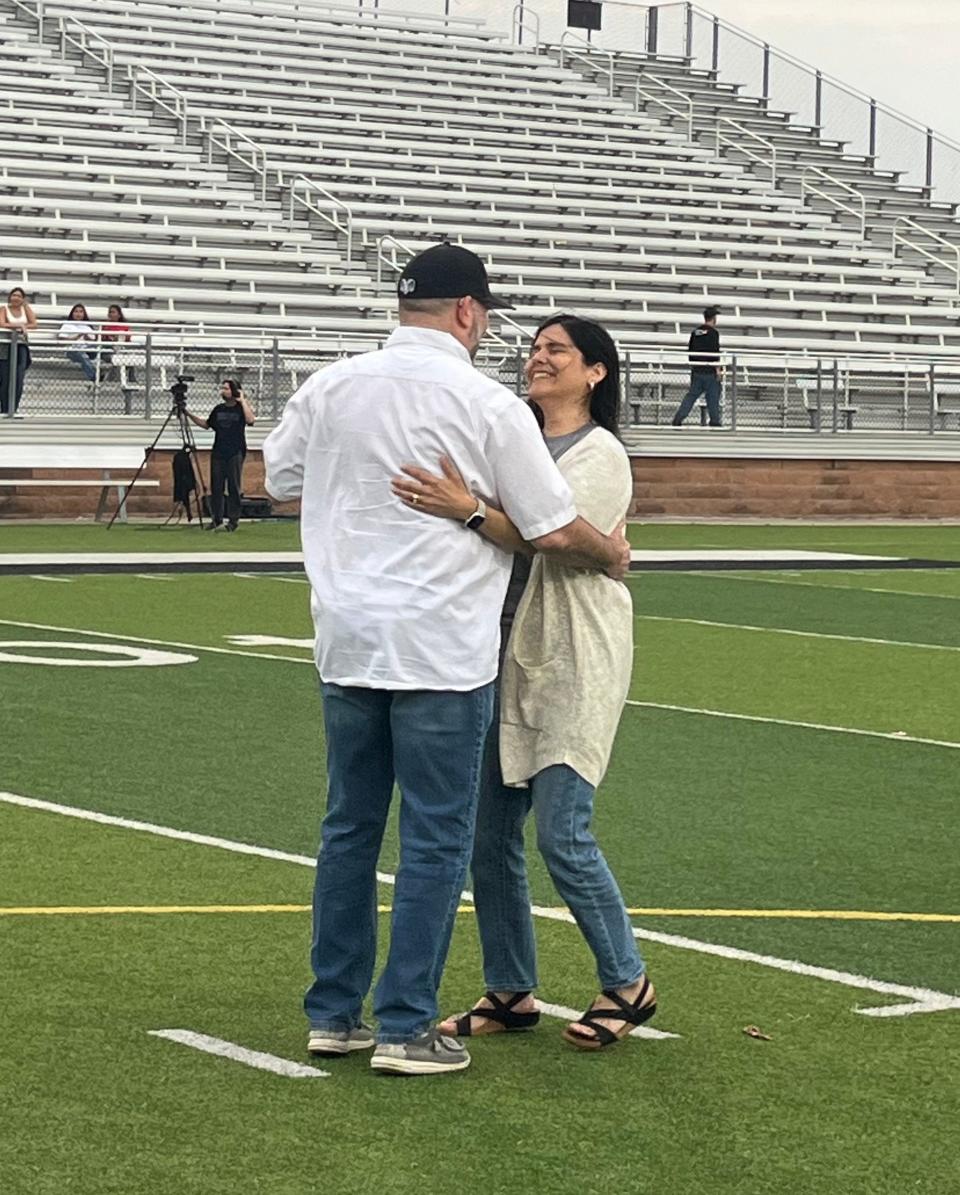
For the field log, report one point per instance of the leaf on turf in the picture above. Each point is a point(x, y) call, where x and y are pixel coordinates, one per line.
point(753, 1031)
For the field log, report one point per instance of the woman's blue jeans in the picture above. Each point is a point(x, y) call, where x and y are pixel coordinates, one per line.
point(562, 804)
point(86, 361)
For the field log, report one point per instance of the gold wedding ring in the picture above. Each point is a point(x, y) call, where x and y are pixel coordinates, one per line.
point(415, 499)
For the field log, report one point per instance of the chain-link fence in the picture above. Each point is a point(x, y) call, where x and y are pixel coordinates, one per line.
point(770, 392)
point(896, 143)
point(821, 395)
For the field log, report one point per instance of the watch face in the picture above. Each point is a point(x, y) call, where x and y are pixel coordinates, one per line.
point(475, 521)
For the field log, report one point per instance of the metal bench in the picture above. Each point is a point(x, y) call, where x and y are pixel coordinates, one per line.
point(81, 457)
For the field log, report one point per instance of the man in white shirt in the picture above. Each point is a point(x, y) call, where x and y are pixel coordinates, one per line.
point(406, 609)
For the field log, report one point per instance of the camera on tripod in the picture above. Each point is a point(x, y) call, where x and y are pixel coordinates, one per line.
point(179, 389)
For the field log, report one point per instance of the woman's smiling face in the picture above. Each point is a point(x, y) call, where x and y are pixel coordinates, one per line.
point(556, 369)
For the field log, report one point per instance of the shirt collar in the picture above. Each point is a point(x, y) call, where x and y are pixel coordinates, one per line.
point(428, 338)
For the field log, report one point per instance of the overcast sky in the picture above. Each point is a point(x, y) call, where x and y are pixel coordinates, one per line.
point(906, 53)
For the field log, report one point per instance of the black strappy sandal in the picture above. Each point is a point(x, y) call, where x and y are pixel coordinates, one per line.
point(502, 1013)
point(631, 1013)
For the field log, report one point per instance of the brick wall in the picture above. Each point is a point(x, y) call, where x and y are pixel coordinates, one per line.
point(696, 487)
point(691, 487)
point(65, 503)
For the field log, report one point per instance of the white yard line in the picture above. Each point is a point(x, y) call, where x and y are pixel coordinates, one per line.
point(59, 580)
point(684, 709)
point(948, 597)
point(220, 651)
point(561, 1012)
point(894, 736)
point(271, 577)
point(916, 999)
point(229, 1049)
point(741, 626)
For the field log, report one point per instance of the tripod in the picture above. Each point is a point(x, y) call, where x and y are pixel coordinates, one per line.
point(188, 445)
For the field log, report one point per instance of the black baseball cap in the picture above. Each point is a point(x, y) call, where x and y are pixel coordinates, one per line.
point(448, 271)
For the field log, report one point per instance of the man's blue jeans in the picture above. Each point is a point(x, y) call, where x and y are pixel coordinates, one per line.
point(431, 744)
point(562, 803)
point(707, 384)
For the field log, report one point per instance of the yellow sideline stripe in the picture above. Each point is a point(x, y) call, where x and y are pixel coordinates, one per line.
point(786, 914)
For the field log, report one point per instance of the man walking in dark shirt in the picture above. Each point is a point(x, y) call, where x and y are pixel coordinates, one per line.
point(228, 420)
point(704, 351)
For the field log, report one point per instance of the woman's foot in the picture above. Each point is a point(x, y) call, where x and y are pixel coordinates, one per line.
point(505, 1009)
point(641, 997)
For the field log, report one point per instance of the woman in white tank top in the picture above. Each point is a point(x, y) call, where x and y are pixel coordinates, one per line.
point(16, 314)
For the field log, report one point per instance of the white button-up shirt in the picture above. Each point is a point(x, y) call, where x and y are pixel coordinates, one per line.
point(402, 599)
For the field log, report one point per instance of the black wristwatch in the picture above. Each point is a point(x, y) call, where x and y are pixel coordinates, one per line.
point(478, 518)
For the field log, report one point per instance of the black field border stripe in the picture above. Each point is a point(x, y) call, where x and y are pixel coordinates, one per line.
point(638, 566)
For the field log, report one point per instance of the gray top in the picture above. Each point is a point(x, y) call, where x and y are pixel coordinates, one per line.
point(557, 445)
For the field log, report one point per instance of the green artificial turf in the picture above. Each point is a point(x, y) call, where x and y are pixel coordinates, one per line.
point(697, 812)
point(91, 1103)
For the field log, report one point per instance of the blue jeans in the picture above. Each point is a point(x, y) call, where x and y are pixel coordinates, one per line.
point(707, 384)
point(562, 803)
point(86, 361)
point(432, 744)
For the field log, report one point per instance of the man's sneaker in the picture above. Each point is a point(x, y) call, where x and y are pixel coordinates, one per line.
point(220, 527)
point(328, 1042)
point(432, 1053)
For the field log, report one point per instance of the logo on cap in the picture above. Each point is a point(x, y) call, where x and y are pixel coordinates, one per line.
point(407, 286)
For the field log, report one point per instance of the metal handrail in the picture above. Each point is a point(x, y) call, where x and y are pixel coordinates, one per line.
point(813, 72)
point(770, 162)
point(257, 162)
point(860, 213)
point(346, 228)
point(393, 263)
point(520, 14)
point(64, 23)
point(607, 54)
point(181, 109)
point(937, 259)
point(653, 98)
point(34, 11)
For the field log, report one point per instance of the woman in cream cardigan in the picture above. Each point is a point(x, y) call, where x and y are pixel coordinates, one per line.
point(565, 673)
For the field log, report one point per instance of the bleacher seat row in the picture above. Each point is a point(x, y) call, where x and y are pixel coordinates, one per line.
point(576, 197)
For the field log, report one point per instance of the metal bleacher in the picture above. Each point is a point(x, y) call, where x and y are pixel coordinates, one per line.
point(231, 169)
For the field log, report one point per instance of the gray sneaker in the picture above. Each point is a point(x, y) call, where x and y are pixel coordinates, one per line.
point(329, 1042)
point(432, 1053)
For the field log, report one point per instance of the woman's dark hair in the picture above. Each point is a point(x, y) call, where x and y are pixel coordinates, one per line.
point(74, 308)
point(234, 387)
point(118, 309)
point(16, 290)
point(597, 348)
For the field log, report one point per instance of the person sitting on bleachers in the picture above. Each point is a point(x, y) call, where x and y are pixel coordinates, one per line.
point(115, 331)
point(15, 315)
point(77, 330)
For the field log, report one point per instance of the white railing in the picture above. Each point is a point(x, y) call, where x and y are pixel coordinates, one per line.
point(74, 34)
point(723, 138)
point(162, 94)
point(33, 11)
point(891, 140)
point(685, 113)
point(590, 59)
point(525, 18)
point(948, 257)
point(225, 137)
point(339, 215)
point(808, 188)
